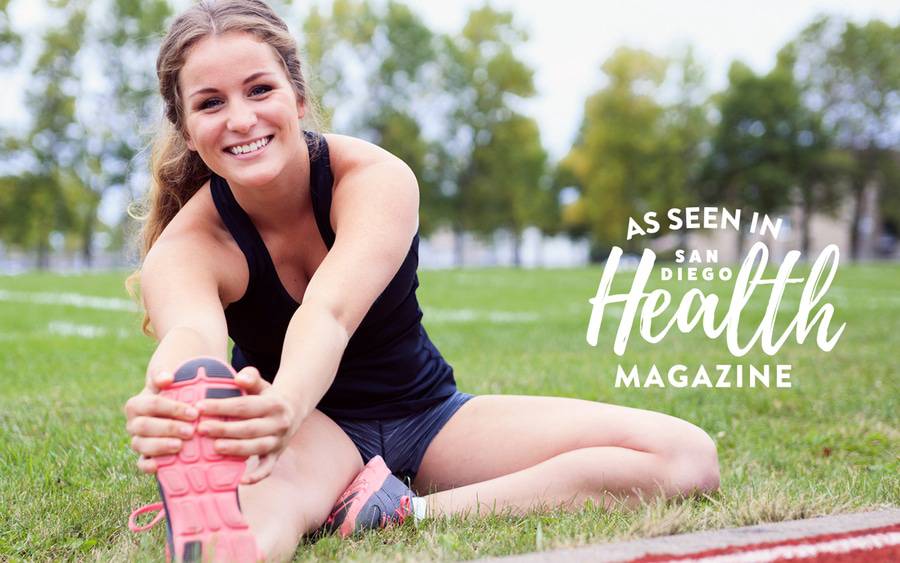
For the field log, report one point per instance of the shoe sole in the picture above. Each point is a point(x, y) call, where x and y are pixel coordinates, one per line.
point(198, 486)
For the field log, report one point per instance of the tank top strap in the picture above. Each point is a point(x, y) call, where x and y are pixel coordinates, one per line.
point(321, 184)
point(241, 228)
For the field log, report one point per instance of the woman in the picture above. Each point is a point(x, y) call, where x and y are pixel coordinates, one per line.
point(249, 217)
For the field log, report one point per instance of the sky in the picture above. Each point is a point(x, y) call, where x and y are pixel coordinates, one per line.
point(569, 39)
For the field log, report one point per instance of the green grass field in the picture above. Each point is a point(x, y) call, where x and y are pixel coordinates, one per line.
point(829, 444)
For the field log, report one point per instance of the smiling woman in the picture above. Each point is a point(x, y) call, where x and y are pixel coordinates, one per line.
point(242, 115)
point(303, 248)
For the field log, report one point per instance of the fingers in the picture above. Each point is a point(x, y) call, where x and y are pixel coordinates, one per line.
point(250, 406)
point(150, 447)
point(262, 470)
point(159, 427)
point(159, 380)
point(147, 464)
point(149, 404)
point(245, 448)
point(251, 381)
point(242, 429)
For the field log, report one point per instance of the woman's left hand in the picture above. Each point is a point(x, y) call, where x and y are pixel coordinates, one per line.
point(262, 423)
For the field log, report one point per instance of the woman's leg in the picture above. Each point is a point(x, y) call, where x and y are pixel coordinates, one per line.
point(517, 452)
point(296, 498)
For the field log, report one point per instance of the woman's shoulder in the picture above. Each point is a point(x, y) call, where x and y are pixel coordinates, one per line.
point(197, 222)
point(348, 153)
point(197, 231)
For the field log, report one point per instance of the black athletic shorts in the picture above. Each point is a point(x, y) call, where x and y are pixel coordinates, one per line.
point(402, 441)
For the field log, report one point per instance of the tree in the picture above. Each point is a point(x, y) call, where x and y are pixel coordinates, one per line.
point(757, 145)
point(10, 42)
point(335, 43)
point(686, 131)
point(821, 170)
point(374, 67)
point(47, 198)
point(10, 49)
point(851, 74)
point(483, 78)
point(127, 42)
point(514, 184)
point(618, 160)
point(432, 100)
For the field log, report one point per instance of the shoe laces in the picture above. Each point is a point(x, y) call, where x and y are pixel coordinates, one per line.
point(401, 513)
point(155, 507)
point(404, 510)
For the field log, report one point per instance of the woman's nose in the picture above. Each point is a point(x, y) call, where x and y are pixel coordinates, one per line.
point(241, 117)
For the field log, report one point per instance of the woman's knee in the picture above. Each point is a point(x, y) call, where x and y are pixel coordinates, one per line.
point(279, 530)
point(691, 461)
point(297, 497)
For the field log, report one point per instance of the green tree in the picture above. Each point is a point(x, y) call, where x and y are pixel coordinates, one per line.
point(618, 161)
point(333, 43)
point(10, 49)
point(48, 196)
point(756, 147)
point(10, 41)
point(514, 185)
point(387, 98)
point(851, 74)
point(686, 129)
point(401, 95)
point(120, 114)
point(483, 79)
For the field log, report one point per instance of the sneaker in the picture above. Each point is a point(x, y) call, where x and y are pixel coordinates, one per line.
point(375, 499)
point(199, 487)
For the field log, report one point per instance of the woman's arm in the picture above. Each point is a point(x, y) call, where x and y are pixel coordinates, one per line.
point(375, 215)
point(375, 212)
point(180, 292)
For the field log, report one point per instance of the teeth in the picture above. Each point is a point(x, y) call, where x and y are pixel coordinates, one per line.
point(254, 146)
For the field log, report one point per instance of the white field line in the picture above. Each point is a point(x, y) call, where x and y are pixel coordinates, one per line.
point(65, 328)
point(471, 315)
point(804, 550)
point(117, 304)
point(71, 299)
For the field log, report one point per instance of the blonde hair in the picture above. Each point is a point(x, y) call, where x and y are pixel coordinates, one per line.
point(177, 172)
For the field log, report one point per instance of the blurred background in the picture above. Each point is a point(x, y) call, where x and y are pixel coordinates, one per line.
point(535, 128)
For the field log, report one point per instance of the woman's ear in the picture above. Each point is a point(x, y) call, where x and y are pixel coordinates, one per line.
point(190, 144)
point(301, 109)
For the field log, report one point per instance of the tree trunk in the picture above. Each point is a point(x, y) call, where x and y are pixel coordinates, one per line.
point(741, 238)
point(682, 240)
point(87, 240)
point(877, 223)
point(805, 220)
point(517, 249)
point(458, 241)
point(859, 191)
point(43, 255)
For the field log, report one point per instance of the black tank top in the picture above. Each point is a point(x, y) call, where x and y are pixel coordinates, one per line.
point(389, 369)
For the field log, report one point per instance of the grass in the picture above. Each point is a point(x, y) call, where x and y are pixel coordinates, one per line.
point(829, 444)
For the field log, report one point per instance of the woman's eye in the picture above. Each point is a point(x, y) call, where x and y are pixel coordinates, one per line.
point(206, 104)
point(255, 91)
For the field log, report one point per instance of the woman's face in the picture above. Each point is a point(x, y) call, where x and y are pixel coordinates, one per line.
point(241, 112)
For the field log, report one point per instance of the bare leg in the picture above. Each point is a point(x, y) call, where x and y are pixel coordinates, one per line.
point(516, 453)
point(297, 497)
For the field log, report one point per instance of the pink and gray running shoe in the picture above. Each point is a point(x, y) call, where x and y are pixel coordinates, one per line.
point(375, 499)
point(199, 487)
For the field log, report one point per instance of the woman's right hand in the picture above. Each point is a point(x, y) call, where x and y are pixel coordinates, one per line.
point(157, 425)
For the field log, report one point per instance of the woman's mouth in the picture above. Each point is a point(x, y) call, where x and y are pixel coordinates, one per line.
point(250, 149)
